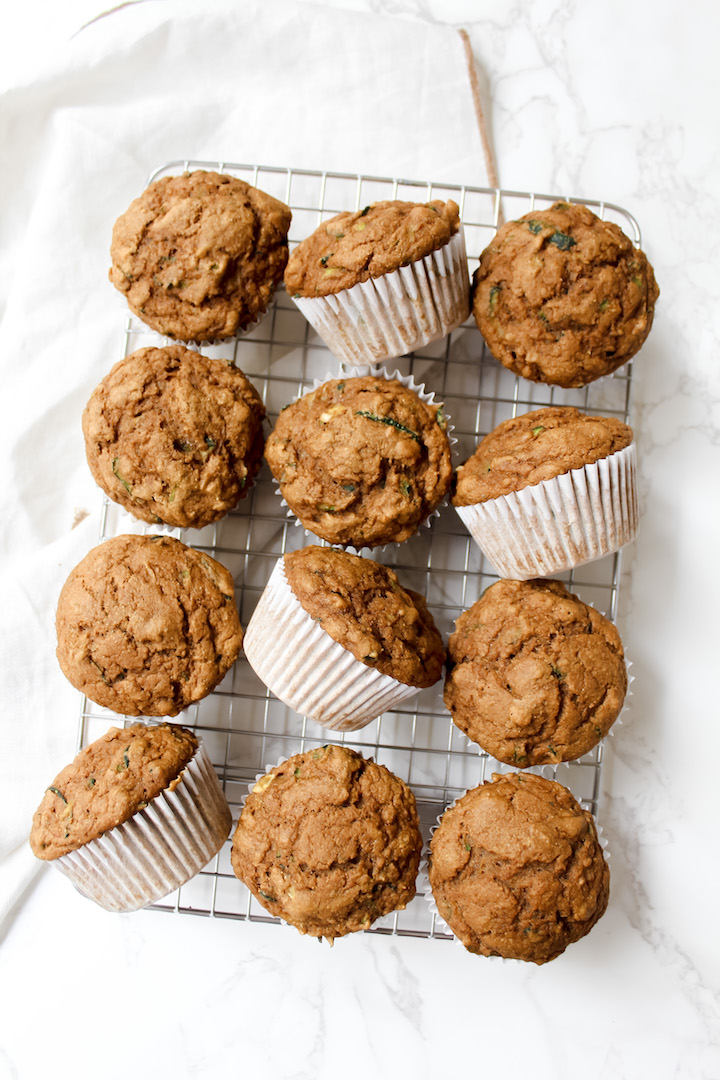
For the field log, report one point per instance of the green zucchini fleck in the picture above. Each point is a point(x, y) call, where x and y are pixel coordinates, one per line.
point(406, 487)
point(267, 896)
point(364, 212)
point(91, 782)
point(557, 672)
point(325, 509)
point(209, 441)
point(340, 387)
point(389, 421)
point(441, 418)
point(324, 258)
point(494, 293)
point(58, 793)
point(602, 306)
point(122, 480)
point(297, 772)
point(535, 226)
point(536, 430)
point(350, 488)
point(562, 241)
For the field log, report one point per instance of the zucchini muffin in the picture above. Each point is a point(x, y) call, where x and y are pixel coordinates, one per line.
point(517, 870)
point(147, 626)
point(329, 842)
point(562, 297)
point(198, 256)
point(336, 637)
point(549, 490)
point(173, 436)
point(362, 461)
point(535, 676)
point(134, 816)
point(383, 280)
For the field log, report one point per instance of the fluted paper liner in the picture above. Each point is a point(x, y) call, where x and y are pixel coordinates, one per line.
point(561, 523)
point(393, 314)
point(308, 670)
point(159, 848)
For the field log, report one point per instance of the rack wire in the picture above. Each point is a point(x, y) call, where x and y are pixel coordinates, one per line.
point(244, 727)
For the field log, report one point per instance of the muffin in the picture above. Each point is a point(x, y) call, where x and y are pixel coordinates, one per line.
point(137, 814)
point(198, 256)
point(549, 490)
point(535, 676)
point(562, 297)
point(381, 281)
point(336, 637)
point(147, 626)
point(173, 436)
point(517, 870)
point(362, 461)
point(329, 842)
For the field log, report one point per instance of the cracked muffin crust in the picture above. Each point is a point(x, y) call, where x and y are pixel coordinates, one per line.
point(108, 782)
point(536, 446)
point(198, 256)
point(363, 607)
point(147, 625)
point(535, 676)
point(517, 870)
point(362, 461)
point(357, 245)
point(329, 841)
point(562, 297)
point(174, 436)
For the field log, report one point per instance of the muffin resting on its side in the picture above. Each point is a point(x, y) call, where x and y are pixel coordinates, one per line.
point(562, 297)
point(361, 461)
point(174, 436)
point(329, 841)
point(137, 814)
point(382, 281)
point(536, 446)
point(535, 675)
point(336, 637)
point(147, 625)
point(517, 870)
point(198, 256)
point(549, 490)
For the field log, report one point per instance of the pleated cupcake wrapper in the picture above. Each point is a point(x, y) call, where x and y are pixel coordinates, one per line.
point(356, 371)
point(391, 315)
point(561, 523)
point(308, 670)
point(159, 848)
point(424, 887)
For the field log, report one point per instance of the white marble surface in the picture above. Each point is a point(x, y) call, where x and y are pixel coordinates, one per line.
point(612, 100)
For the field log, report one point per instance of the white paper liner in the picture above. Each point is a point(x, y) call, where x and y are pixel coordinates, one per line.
point(159, 848)
point(423, 879)
point(398, 312)
point(354, 371)
point(561, 523)
point(308, 670)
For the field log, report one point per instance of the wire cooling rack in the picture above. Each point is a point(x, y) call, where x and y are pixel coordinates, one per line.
point(244, 727)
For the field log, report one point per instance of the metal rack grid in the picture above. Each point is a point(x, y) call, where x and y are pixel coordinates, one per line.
point(243, 726)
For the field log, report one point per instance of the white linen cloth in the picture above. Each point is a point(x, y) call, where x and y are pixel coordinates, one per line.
point(273, 83)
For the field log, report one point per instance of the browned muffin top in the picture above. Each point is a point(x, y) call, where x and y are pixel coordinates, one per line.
point(535, 675)
point(173, 436)
point(517, 870)
point(361, 244)
point(107, 783)
point(361, 461)
point(362, 605)
point(198, 256)
point(146, 625)
point(329, 841)
point(562, 297)
point(536, 446)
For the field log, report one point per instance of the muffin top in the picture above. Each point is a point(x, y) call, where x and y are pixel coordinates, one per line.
point(562, 297)
point(356, 245)
point(517, 870)
point(198, 256)
point(107, 783)
point(174, 436)
point(361, 461)
point(329, 841)
point(363, 607)
point(536, 446)
point(534, 674)
point(146, 625)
